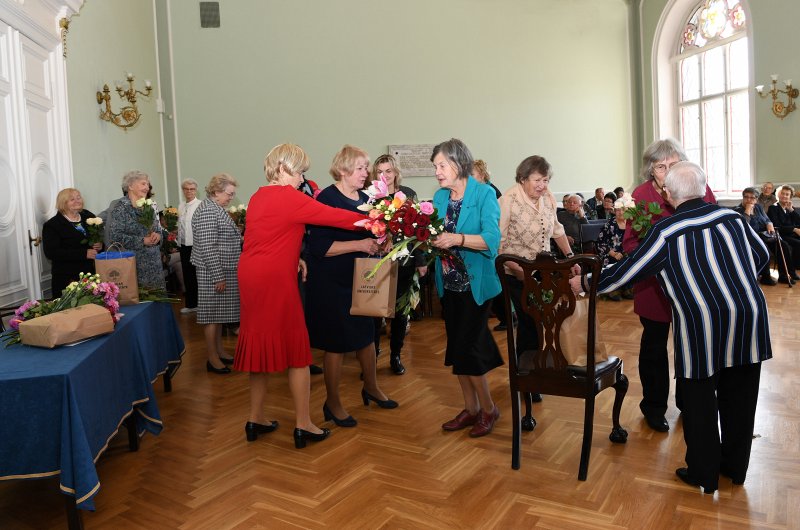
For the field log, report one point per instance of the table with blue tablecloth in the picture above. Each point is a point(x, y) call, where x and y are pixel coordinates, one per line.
point(60, 408)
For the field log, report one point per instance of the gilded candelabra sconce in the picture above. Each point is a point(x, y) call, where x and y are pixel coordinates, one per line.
point(128, 115)
point(779, 108)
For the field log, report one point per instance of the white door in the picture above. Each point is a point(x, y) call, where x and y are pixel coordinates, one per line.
point(34, 160)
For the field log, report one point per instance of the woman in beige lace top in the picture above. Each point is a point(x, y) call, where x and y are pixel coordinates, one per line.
point(527, 222)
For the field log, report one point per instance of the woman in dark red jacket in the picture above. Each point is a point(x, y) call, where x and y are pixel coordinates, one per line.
point(649, 301)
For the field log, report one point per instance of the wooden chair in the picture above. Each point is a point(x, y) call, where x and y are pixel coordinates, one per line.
point(548, 299)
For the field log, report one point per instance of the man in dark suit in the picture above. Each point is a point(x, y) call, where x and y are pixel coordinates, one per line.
point(719, 313)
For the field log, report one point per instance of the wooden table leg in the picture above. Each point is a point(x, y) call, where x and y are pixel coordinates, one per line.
point(74, 519)
point(133, 438)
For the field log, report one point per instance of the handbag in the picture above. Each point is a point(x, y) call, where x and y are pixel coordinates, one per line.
point(574, 335)
point(119, 267)
point(374, 296)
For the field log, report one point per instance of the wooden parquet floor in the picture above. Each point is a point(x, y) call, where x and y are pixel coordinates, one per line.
point(398, 469)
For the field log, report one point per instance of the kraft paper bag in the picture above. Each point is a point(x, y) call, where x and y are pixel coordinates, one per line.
point(120, 268)
point(376, 296)
point(64, 327)
point(574, 334)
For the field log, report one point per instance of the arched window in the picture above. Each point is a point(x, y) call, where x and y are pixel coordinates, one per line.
point(713, 99)
point(701, 67)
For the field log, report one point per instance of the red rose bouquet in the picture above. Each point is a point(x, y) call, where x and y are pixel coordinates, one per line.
point(409, 225)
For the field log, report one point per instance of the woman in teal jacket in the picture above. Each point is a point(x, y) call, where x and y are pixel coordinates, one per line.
point(472, 232)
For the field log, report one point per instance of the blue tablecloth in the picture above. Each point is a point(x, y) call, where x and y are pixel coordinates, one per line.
point(59, 408)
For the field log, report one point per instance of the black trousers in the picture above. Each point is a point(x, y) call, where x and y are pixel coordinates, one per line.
point(794, 244)
point(189, 276)
point(405, 275)
point(731, 396)
point(654, 367)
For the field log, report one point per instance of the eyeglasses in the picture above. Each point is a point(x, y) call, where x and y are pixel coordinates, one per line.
point(663, 168)
point(749, 197)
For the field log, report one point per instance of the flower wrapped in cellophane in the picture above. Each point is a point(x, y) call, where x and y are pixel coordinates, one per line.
point(410, 227)
point(87, 290)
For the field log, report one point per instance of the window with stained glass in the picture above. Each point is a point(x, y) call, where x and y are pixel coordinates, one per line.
point(713, 103)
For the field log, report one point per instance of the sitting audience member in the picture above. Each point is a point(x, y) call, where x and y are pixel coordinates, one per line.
point(595, 205)
point(787, 222)
point(606, 209)
point(758, 221)
point(572, 217)
point(609, 247)
point(619, 191)
point(767, 197)
point(65, 243)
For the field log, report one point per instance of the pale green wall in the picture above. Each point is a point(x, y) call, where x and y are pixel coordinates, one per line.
point(106, 39)
point(511, 78)
point(775, 47)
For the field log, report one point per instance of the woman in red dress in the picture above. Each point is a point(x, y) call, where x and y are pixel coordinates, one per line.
point(272, 334)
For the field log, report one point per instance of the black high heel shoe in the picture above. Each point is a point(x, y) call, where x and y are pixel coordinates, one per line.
point(226, 360)
point(252, 429)
point(210, 368)
point(346, 422)
point(302, 436)
point(382, 403)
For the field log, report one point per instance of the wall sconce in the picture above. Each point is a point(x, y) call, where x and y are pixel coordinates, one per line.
point(128, 115)
point(780, 109)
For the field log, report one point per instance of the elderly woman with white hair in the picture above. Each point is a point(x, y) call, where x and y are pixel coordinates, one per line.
point(126, 227)
point(609, 247)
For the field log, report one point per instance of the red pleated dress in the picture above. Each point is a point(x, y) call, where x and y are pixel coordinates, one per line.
point(272, 332)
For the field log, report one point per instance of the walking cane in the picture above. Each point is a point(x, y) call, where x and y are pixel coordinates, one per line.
point(779, 242)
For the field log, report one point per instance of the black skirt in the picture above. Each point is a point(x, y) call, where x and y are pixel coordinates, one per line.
point(471, 349)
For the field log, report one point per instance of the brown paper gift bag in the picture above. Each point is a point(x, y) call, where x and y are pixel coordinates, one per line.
point(376, 296)
point(69, 325)
point(120, 268)
point(574, 334)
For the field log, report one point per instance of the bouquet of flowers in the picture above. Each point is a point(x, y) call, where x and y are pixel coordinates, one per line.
point(87, 290)
point(94, 229)
point(146, 214)
point(410, 226)
point(239, 215)
point(170, 221)
point(640, 214)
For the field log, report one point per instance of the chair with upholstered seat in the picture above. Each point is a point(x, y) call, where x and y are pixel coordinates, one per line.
point(548, 299)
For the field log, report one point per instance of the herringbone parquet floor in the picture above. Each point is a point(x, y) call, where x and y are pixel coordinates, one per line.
point(398, 469)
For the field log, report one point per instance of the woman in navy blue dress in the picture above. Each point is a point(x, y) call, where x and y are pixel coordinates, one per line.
point(331, 255)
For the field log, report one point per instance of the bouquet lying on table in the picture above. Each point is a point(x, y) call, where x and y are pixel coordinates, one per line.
point(410, 226)
point(87, 290)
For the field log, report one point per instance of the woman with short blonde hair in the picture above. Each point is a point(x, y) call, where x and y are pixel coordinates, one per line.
point(273, 335)
point(64, 240)
point(345, 161)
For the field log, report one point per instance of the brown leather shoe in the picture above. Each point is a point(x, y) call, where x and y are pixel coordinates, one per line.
point(485, 423)
point(464, 419)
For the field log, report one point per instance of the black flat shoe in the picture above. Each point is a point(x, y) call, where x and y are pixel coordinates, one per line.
point(315, 370)
point(384, 404)
point(346, 422)
point(657, 423)
point(210, 368)
point(301, 437)
point(226, 360)
point(725, 472)
point(683, 474)
point(396, 365)
point(252, 430)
